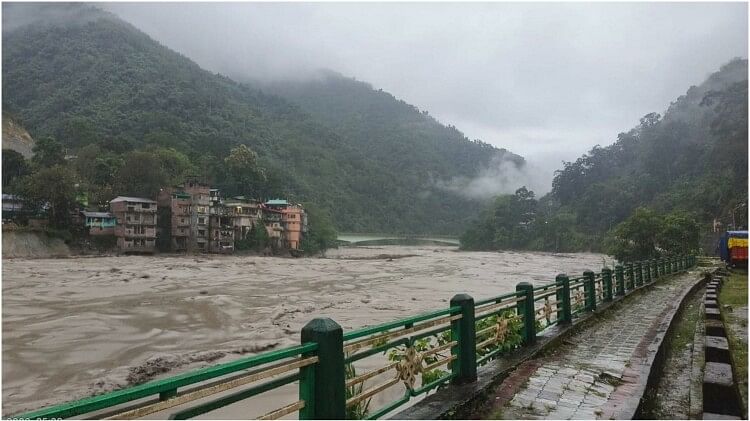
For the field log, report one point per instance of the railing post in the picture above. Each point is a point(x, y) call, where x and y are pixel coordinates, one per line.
point(463, 331)
point(525, 309)
point(619, 280)
point(607, 283)
point(589, 287)
point(325, 388)
point(638, 274)
point(663, 264)
point(655, 264)
point(647, 271)
point(631, 277)
point(563, 297)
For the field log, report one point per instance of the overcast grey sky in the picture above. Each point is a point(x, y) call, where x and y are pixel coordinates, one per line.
point(545, 80)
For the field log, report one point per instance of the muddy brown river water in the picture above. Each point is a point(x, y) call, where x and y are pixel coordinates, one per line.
point(80, 326)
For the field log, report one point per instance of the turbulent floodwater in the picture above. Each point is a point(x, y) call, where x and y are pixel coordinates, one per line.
point(80, 326)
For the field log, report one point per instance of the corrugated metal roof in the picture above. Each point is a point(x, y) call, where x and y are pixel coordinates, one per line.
point(131, 199)
point(277, 202)
point(97, 214)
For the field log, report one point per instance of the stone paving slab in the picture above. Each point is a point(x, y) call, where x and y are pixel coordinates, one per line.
point(596, 368)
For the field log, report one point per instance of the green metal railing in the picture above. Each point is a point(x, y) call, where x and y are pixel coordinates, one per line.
point(416, 354)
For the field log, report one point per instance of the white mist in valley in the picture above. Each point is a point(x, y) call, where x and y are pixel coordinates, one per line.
point(503, 176)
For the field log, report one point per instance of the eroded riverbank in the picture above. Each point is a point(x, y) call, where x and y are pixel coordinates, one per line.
point(79, 326)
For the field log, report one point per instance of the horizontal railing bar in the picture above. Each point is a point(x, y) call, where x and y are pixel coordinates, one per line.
point(388, 408)
point(432, 332)
point(543, 295)
point(385, 336)
point(359, 379)
point(376, 350)
point(497, 299)
point(234, 397)
point(431, 385)
point(503, 303)
point(440, 362)
point(398, 323)
point(484, 344)
point(371, 392)
point(545, 286)
point(107, 400)
point(273, 415)
point(440, 348)
point(493, 313)
point(486, 330)
point(496, 311)
point(274, 370)
point(547, 291)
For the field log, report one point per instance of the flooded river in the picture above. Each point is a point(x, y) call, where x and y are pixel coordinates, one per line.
point(80, 326)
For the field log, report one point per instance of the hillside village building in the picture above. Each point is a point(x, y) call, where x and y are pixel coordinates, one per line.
point(136, 224)
point(221, 229)
point(286, 222)
point(99, 223)
point(189, 218)
point(244, 214)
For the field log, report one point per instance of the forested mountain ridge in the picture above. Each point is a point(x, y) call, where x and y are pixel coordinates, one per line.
point(688, 165)
point(108, 91)
point(389, 130)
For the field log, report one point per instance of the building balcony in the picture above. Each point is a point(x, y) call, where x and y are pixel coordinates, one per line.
point(130, 234)
point(151, 209)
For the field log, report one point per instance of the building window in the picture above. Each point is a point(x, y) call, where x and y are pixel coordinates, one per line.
point(201, 220)
point(146, 206)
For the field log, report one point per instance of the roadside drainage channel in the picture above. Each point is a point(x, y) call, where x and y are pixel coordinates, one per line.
point(721, 399)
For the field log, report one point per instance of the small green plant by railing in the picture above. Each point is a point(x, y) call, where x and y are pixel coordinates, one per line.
point(416, 354)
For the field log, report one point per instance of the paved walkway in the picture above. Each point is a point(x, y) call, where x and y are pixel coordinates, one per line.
point(595, 370)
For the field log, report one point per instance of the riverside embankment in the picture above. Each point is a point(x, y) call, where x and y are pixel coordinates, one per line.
point(79, 326)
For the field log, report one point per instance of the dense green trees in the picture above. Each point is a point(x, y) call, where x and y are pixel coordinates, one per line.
point(321, 235)
point(520, 222)
point(257, 240)
point(647, 234)
point(658, 187)
point(14, 167)
point(52, 189)
point(365, 157)
point(48, 152)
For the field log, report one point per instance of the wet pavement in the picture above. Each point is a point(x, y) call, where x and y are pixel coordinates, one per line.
point(596, 369)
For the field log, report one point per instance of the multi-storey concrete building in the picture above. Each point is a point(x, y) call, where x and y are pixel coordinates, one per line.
point(136, 224)
point(244, 214)
point(99, 223)
point(176, 208)
point(285, 223)
point(199, 221)
point(291, 221)
point(221, 230)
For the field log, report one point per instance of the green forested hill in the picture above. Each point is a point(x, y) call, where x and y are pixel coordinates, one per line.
point(106, 91)
point(690, 164)
point(388, 130)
